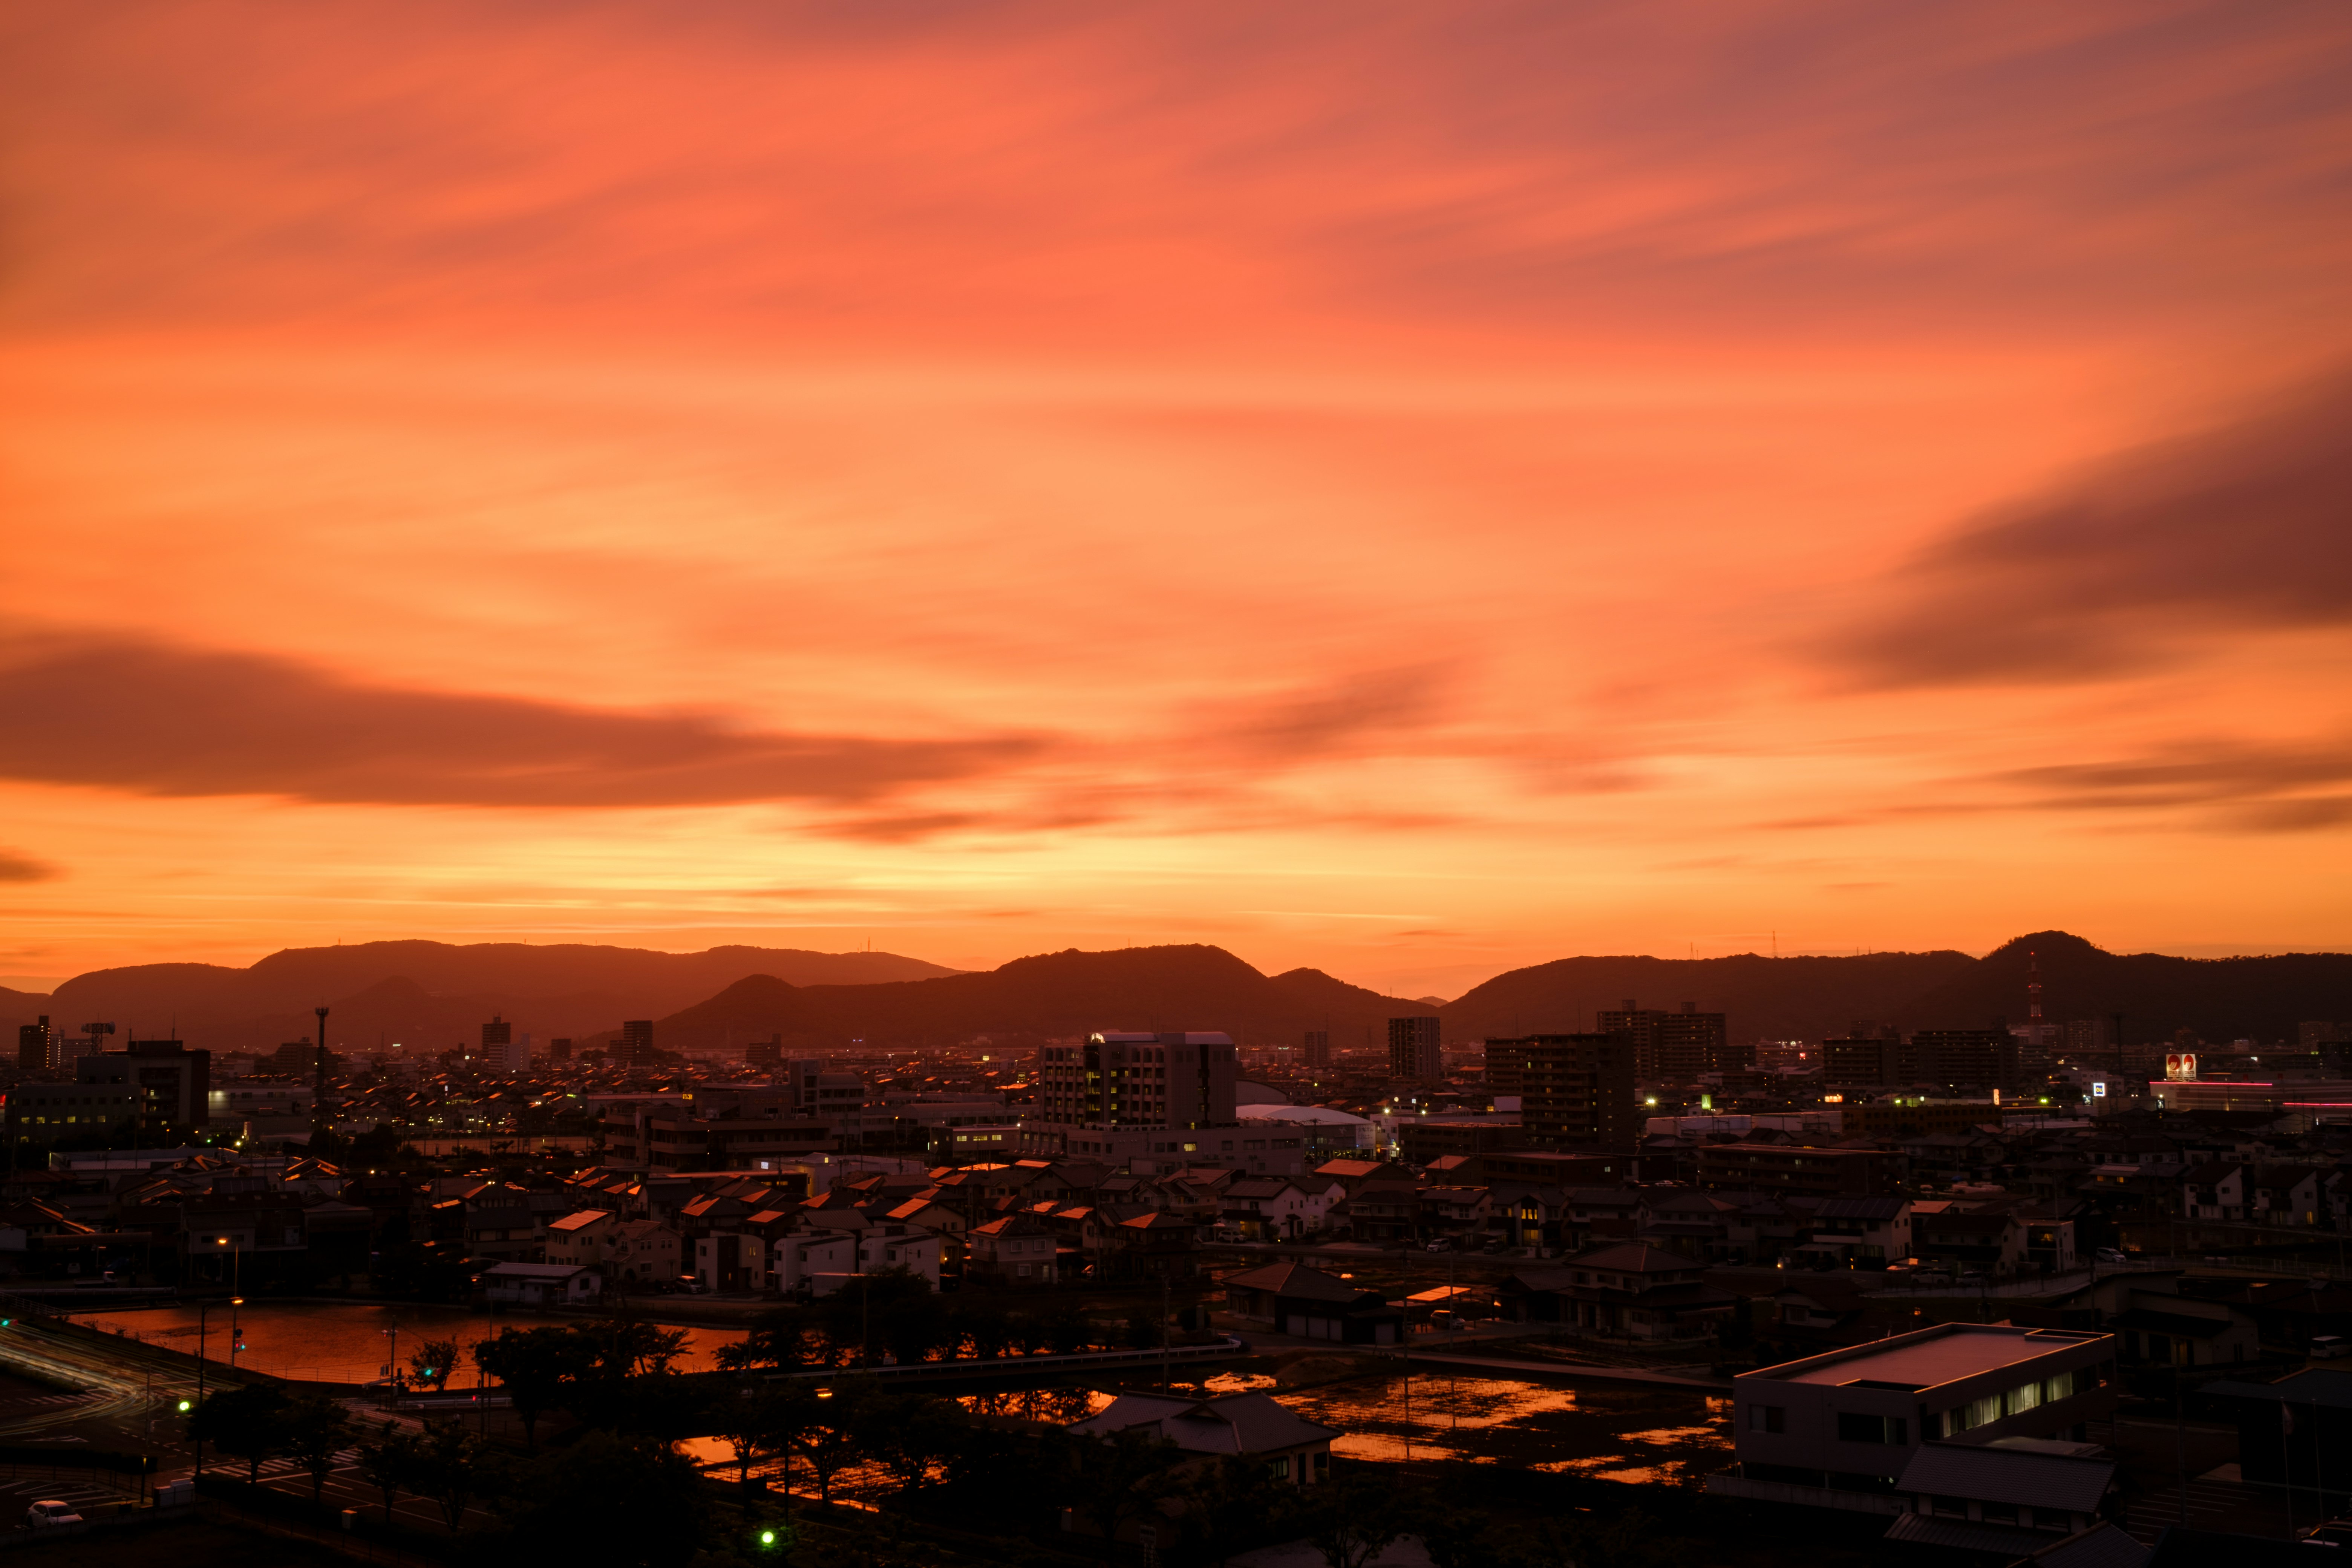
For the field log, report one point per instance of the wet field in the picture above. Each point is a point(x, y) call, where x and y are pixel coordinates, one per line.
point(334, 1341)
point(1618, 1433)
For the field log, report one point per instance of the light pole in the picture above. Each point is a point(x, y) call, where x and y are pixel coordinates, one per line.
point(392, 1361)
point(203, 1309)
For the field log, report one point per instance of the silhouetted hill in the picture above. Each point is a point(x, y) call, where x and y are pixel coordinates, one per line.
point(21, 1008)
point(1188, 987)
point(1762, 998)
point(2261, 998)
point(433, 993)
point(1813, 998)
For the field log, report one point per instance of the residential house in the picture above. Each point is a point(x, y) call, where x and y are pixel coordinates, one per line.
point(1018, 1249)
point(1292, 1298)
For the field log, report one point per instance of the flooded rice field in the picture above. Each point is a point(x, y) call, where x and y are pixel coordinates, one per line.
point(1618, 1432)
point(345, 1342)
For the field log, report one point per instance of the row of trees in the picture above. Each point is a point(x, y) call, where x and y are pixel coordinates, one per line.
point(896, 1314)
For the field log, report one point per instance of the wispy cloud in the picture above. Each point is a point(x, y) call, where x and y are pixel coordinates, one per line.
point(2249, 526)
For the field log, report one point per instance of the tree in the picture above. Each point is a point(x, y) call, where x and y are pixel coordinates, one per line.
point(1229, 1505)
point(435, 1362)
point(629, 1347)
point(778, 1338)
point(246, 1423)
point(1455, 1538)
point(1069, 1332)
point(986, 1326)
point(827, 1441)
point(863, 1303)
point(1119, 1476)
point(1738, 1330)
point(615, 1502)
point(452, 1471)
point(536, 1367)
point(907, 1434)
point(1361, 1523)
point(316, 1429)
point(390, 1462)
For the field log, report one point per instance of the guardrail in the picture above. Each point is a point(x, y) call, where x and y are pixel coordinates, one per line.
point(1226, 1347)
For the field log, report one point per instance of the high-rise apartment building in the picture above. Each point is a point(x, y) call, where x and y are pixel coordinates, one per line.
point(636, 1041)
point(1677, 1048)
point(36, 1046)
point(559, 1050)
point(1416, 1049)
point(1974, 1058)
point(501, 1052)
point(1881, 1057)
point(1572, 1088)
point(1164, 1097)
point(1316, 1049)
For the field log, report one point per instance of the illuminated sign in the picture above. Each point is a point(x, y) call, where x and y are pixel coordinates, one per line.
point(2181, 1067)
point(2099, 1088)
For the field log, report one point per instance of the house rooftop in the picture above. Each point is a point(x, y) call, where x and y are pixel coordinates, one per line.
point(1945, 1353)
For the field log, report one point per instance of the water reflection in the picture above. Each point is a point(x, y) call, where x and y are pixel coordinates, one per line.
point(1616, 1433)
point(335, 1341)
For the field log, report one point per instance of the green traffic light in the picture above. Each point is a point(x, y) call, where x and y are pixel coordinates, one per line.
point(187, 1405)
point(767, 1538)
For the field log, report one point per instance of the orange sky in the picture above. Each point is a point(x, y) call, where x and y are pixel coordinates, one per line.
point(1413, 491)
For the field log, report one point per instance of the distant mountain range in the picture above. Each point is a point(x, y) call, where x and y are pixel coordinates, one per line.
point(427, 993)
point(436, 995)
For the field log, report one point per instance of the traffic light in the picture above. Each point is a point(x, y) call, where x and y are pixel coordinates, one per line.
point(187, 1405)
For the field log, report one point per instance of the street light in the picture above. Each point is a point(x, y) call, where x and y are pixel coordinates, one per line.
point(202, 1310)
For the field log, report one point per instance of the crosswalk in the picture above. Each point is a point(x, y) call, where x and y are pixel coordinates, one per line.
point(285, 1465)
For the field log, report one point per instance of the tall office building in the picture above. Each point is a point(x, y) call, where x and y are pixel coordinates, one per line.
point(1677, 1048)
point(1572, 1088)
point(1416, 1049)
point(36, 1046)
point(1316, 1049)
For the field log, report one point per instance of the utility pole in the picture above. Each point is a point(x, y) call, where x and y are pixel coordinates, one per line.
point(319, 1119)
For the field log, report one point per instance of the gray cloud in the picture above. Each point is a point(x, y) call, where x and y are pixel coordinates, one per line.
point(2250, 525)
point(17, 866)
point(170, 721)
point(2236, 787)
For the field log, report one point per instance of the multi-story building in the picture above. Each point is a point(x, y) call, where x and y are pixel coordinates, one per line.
point(1973, 1058)
point(1677, 1048)
point(725, 1130)
point(1316, 1049)
point(1883, 1059)
point(1159, 1097)
point(36, 1046)
point(174, 1083)
point(1416, 1049)
point(1573, 1088)
point(635, 1042)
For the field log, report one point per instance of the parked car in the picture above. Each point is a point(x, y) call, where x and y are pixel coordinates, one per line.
point(2327, 1347)
point(1442, 1244)
point(2335, 1533)
point(2110, 1254)
point(51, 1514)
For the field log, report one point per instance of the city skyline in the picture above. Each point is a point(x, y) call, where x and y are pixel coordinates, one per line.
point(1416, 496)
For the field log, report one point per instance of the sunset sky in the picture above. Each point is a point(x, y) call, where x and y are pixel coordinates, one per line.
point(1409, 490)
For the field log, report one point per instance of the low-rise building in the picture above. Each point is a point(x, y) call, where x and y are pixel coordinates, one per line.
point(1841, 1429)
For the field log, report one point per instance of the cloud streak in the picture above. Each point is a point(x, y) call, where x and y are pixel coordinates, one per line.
point(169, 721)
point(2246, 526)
